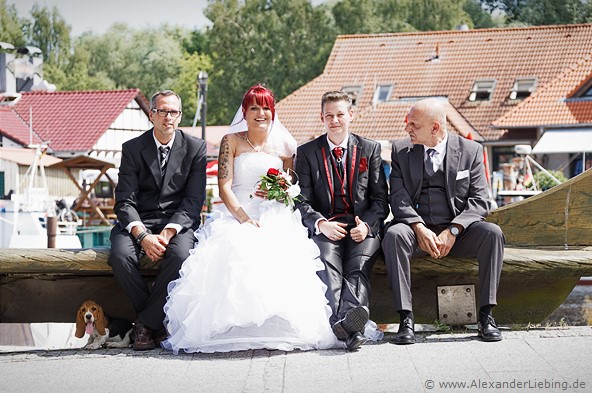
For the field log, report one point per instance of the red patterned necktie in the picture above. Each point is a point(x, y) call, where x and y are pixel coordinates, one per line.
point(338, 154)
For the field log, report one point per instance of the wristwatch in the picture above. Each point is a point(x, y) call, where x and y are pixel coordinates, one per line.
point(454, 230)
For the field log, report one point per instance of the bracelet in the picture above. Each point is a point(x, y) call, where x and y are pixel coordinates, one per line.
point(141, 237)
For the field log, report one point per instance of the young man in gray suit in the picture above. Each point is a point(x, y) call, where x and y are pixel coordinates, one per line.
point(345, 204)
point(158, 201)
point(439, 200)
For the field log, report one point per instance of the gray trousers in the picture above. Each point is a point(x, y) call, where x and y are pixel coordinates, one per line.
point(482, 240)
point(124, 259)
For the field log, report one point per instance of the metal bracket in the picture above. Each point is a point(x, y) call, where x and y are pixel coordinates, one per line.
point(456, 304)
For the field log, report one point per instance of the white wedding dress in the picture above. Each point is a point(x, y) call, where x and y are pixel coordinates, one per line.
point(246, 287)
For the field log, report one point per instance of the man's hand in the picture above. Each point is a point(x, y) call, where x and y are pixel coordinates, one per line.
point(360, 231)
point(333, 230)
point(154, 246)
point(427, 240)
point(447, 241)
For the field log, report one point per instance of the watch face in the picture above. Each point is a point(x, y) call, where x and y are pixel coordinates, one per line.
point(454, 230)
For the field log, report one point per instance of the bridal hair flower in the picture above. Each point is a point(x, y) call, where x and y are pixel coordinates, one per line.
point(279, 187)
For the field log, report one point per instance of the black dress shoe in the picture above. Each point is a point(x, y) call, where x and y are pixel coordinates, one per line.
point(354, 321)
point(355, 341)
point(406, 333)
point(488, 330)
point(143, 340)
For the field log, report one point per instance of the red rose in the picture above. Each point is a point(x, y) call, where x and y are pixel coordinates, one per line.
point(363, 164)
point(272, 172)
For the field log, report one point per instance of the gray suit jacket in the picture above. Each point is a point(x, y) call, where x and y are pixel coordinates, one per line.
point(466, 184)
point(142, 194)
point(366, 181)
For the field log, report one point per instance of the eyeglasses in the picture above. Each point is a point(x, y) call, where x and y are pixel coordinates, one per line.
point(163, 113)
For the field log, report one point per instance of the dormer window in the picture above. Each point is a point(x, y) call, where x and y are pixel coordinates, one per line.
point(482, 90)
point(383, 93)
point(354, 93)
point(587, 93)
point(523, 87)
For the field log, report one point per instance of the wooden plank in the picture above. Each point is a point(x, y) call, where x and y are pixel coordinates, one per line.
point(576, 260)
point(557, 217)
point(49, 285)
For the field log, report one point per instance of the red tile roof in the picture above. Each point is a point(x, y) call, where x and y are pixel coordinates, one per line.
point(403, 60)
point(75, 120)
point(15, 128)
point(554, 104)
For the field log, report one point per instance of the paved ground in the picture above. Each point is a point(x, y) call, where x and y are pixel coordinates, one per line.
point(545, 360)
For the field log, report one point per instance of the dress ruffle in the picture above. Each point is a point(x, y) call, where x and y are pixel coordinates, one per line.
point(246, 287)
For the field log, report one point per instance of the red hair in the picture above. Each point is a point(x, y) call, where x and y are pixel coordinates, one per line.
point(261, 96)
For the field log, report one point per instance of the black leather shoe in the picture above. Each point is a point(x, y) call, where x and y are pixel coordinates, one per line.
point(354, 321)
point(488, 330)
point(406, 333)
point(355, 341)
point(143, 340)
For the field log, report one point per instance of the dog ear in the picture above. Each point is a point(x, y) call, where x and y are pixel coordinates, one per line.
point(80, 325)
point(100, 321)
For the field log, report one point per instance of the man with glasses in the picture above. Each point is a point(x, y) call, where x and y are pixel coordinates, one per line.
point(159, 196)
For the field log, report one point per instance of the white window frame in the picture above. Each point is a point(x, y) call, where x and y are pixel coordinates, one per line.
point(482, 86)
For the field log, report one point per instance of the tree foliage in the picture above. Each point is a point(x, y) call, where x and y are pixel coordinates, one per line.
point(281, 43)
point(49, 32)
point(542, 12)
point(11, 25)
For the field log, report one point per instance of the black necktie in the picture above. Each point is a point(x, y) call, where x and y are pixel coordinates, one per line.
point(338, 154)
point(429, 165)
point(164, 153)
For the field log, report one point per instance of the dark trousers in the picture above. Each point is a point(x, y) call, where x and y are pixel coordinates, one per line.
point(482, 240)
point(347, 272)
point(148, 302)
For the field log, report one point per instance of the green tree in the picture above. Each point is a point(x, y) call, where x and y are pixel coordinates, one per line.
point(479, 16)
point(11, 25)
point(148, 59)
point(49, 32)
point(429, 15)
point(542, 12)
point(186, 83)
point(282, 43)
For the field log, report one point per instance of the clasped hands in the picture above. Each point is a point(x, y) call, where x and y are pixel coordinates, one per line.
point(334, 230)
point(438, 246)
point(154, 245)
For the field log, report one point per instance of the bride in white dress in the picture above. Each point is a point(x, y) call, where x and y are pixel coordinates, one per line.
point(250, 282)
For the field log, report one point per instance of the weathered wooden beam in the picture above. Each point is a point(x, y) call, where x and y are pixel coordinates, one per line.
point(49, 285)
point(93, 261)
point(557, 217)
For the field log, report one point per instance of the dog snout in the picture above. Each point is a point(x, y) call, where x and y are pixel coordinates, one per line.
point(88, 316)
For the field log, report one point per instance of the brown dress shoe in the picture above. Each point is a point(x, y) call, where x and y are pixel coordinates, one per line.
point(143, 337)
point(160, 336)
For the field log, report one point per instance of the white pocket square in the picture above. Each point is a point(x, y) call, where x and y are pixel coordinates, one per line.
point(462, 174)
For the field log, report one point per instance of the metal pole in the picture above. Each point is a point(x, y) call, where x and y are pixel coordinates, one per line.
point(204, 107)
point(51, 223)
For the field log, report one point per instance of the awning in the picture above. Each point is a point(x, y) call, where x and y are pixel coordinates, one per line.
point(564, 141)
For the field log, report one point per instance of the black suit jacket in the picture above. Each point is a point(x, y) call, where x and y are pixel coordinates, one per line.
point(142, 194)
point(466, 185)
point(366, 181)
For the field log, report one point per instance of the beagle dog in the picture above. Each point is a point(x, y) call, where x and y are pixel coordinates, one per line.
point(102, 331)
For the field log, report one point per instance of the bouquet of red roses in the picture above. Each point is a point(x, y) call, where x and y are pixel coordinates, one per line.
point(279, 187)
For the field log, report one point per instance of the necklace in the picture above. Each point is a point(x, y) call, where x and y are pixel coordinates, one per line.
point(258, 148)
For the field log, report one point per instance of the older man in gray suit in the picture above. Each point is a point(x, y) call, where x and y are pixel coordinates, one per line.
point(439, 200)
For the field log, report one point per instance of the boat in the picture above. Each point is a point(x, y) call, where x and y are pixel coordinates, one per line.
point(23, 218)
